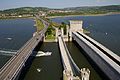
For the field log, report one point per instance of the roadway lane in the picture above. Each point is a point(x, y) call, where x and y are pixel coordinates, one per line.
point(64, 55)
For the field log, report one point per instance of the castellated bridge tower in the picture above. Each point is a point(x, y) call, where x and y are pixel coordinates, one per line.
point(75, 25)
point(85, 74)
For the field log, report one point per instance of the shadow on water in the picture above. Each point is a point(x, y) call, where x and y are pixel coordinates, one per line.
point(28, 63)
point(4, 59)
point(82, 60)
point(51, 66)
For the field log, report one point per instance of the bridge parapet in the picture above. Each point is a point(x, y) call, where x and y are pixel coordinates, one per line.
point(106, 50)
point(105, 63)
point(12, 68)
point(69, 65)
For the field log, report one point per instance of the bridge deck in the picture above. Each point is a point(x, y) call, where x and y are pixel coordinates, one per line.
point(102, 47)
point(13, 66)
point(64, 55)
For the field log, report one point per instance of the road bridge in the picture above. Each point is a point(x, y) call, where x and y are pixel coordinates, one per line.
point(12, 68)
point(69, 65)
point(106, 60)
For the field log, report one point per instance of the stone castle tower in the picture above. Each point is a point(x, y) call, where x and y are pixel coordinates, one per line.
point(75, 25)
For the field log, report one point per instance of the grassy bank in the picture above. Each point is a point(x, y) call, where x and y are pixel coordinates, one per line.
point(39, 25)
point(50, 33)
point(2, 18)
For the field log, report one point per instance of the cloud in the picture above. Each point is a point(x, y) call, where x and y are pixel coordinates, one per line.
point(105, 0)
point(100, 0)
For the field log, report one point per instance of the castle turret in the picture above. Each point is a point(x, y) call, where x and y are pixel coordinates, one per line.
point(85, 74)
point(75, 25)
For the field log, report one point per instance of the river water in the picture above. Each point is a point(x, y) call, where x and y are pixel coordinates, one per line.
point(104, 29)
point(14, 33)
point(21, 30)
point(51, 68)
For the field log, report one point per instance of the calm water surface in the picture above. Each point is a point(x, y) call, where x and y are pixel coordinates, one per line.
point(81, 61)
point(51, 68)
point(19, 30)
point(104, 29)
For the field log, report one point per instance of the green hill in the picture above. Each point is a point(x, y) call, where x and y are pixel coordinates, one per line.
point(87, 10)
point(25, 10)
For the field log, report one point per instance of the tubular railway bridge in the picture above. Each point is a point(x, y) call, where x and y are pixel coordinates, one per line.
point(105, 59)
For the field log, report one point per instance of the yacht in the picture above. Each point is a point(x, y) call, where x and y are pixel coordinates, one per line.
point(9, 38)
point(106, 33)
point(38, 70)
point(41, 53)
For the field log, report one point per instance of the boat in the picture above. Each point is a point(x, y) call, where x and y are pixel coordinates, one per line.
point(9, 38)
point(41, 53)
point(38, 69)
point(106, 33)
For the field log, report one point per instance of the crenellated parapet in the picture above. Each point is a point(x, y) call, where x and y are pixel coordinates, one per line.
point(85, 74)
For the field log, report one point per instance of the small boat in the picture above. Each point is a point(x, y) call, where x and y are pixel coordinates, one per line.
point(9, 38)
point(106, 33)
point(35, 25)
point(38, 69)
point(41, 53)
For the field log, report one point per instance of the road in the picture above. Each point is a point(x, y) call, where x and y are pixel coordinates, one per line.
point(14, 65)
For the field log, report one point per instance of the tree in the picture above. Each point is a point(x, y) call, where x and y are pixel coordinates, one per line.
point(63, 25)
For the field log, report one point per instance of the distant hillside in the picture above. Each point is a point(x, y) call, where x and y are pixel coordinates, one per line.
point(111, 7)
point(26, 10)
point(95, 9)
point(87, 10)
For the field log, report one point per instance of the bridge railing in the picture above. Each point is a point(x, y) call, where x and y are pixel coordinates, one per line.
point(19, 51)
point(106, 64)
point(73, 64)
point(63, 60)
point(13, 57)
point(68, 73)
point(71, 59)
point(30, 42)
point(108, 52)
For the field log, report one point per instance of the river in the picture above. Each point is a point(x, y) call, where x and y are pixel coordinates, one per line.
point(14, 33)
point(105, 29)
point(51, 66)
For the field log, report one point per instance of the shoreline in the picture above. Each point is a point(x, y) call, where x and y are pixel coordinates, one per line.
point(17, 18)
point(111, 13)
point(50, 17)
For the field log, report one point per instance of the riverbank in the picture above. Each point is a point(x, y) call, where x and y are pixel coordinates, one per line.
point(111, 13)
point(16, 18)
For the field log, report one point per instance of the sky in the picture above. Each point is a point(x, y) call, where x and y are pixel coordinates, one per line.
point(7, 4)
